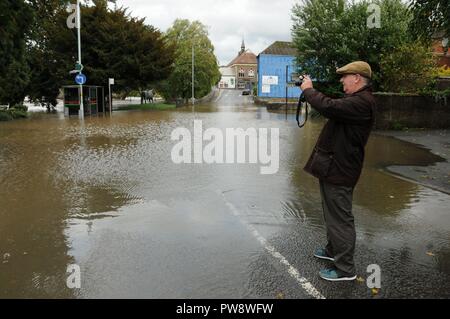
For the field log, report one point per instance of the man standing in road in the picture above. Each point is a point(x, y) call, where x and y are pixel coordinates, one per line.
point(337, 162)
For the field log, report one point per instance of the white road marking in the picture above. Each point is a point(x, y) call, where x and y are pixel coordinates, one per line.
point(220, 95)
point(304, 283)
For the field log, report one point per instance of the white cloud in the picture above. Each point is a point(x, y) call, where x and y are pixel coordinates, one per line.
point(259, 22)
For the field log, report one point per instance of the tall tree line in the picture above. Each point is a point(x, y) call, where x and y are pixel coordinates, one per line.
point(37, 50)
point(186, 36)
point(331, 33)
point(15, 25)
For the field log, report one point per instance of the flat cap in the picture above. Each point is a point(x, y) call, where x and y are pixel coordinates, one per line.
point(357, 67)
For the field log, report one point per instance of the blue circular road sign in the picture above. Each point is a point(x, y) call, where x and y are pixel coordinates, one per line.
point(80, 78)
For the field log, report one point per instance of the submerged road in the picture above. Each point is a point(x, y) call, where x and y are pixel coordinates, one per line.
point(105, 195)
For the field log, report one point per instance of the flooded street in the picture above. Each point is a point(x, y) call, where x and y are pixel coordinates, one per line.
point(105, 195)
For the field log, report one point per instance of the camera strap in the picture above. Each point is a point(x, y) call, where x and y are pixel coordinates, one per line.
point(299, 109)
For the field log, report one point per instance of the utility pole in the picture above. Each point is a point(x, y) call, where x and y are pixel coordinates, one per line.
point(81, 114)
point(287, 82)
point(193, 75)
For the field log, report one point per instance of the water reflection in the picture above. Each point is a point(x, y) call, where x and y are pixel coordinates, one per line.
point(32, 214)
point(77, 192)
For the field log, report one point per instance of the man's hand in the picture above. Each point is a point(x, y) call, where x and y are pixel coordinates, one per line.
point(307, 83)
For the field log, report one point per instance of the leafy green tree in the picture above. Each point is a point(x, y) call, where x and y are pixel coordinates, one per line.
point(332, 33)
point(48, 67)
point(113, 44)
point(430, 17)
point(15, 22)
point(408, 68)
point(125, 48)
point(318, 35)
point(184, 35)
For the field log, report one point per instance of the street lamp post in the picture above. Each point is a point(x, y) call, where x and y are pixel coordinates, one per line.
point(74, 21)
point(78, 22)
point(193, 75)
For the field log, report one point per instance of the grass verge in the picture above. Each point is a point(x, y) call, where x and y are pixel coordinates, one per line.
point(148, 106)
point(12, 113)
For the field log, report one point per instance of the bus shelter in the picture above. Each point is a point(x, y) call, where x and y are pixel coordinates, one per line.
point(93, 100)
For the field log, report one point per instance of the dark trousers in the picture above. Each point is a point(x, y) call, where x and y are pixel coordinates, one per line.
point(340, 225)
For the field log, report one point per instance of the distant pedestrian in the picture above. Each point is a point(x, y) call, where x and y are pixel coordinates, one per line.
point(150, 95)
point(337, 162)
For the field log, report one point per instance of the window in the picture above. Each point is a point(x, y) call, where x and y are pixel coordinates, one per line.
point(251, 73)
point(241, 73)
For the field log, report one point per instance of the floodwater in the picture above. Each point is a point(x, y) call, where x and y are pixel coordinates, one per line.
point(104, 194)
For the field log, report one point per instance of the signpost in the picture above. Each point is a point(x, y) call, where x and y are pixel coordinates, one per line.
point(79, 57)
point(80, 79)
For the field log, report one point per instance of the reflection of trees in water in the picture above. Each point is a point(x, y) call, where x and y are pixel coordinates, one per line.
point(40, 195)
point(383, 193)
point(375, 190)
point(32, 223)
point(94, 201)
point(93, 174)
point(384, 151)
point(306, 186)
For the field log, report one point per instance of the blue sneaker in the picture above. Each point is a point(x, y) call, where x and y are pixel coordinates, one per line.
point(320, 253)
point(332, 275)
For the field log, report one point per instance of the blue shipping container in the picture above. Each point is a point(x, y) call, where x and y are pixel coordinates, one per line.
point(275, 66)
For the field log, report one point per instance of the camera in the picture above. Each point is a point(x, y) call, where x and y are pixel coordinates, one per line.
point(299, 81)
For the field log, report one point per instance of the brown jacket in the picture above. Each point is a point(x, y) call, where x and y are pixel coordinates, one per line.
point(338, 155)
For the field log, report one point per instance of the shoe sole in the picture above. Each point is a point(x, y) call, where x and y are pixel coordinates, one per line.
point(339, 279)
point(323, 257)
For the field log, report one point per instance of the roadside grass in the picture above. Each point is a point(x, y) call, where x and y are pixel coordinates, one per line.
point(147, 106)
point(12, 113)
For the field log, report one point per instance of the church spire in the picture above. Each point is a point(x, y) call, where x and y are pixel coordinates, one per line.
point(242, 47)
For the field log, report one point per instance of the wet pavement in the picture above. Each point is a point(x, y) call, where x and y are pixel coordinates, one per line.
point(436, 176)
point(105, 195)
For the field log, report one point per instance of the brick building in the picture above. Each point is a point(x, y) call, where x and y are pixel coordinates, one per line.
point(244, 67)
point(443, 58)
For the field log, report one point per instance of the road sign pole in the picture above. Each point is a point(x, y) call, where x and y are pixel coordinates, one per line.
point(78, 23)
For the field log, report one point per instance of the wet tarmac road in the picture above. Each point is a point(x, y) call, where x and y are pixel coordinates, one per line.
point(106, 196)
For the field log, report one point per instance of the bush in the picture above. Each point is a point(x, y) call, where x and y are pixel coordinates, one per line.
point(16, 114)
point(20, 107)
point(409, 68)
point(329, 34)
point(397, 126)
point(443, 71)
point(5, 116)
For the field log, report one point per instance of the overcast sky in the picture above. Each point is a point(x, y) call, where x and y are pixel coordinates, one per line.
point(259, 22)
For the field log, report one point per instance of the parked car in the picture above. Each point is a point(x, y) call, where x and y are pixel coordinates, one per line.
point(246, 92)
